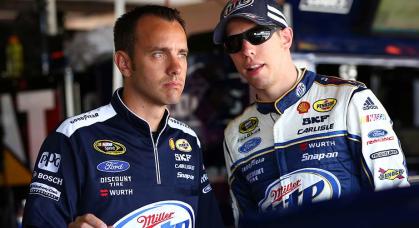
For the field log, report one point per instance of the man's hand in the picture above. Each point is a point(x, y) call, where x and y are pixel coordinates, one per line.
point(88, 221)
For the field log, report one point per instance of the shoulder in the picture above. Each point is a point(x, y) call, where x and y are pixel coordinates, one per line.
point(72, 124)
point(336, 81)
point(181, 126)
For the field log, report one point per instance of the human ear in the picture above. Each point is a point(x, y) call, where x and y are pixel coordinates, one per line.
point(286, 35)
point(123, 62)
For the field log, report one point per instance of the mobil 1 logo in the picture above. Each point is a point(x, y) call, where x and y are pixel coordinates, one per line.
point(49, 161)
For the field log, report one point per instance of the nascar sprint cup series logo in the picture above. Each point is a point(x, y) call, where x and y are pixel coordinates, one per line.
point(301, 187)
point(169, 213)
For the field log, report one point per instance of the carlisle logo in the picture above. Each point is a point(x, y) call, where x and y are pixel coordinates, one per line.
point(249, 125)
point(234, 5)
point(183, 145)
point(303, 107)
point(250, 145)
point(324, 105)
point(391, 174)
point(170, 213)
point(301, 187)
point(113, 166)
point(172, 144)
point(377, 133)
point(109, 147)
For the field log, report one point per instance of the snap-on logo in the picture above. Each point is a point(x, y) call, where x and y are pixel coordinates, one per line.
point(113, 166)
point(170, 213)
point(109, 147)
point(248, 125)
point(324, 105)
point(234, 5)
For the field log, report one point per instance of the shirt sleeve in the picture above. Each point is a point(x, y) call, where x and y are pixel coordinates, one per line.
point(53, 192)
point(241, 198)
point(370, 127)
point(208, 211)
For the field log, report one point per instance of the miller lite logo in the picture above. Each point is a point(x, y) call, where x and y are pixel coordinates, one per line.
point(170, 213)
point(301, 187)
point(234, 5)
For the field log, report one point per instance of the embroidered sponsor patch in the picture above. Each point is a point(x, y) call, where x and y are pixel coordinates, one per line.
point(113, 166)
point(109, 147)
point(324, 105)
point(183, 145)
point(248, 125)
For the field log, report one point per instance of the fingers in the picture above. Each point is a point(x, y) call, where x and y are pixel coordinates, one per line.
point(87, 221)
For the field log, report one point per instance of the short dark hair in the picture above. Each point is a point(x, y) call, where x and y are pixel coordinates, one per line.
point(123, 31)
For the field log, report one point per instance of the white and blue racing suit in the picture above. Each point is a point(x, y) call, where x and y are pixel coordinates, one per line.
point(324, 139)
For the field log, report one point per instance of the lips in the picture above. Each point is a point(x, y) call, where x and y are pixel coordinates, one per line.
point(173, 84)
point(253, 69)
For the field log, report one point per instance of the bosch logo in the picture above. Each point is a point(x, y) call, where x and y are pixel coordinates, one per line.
point(49, 162)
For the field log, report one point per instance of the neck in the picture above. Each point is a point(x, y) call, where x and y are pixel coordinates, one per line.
point(148, 111)
point(287, 79)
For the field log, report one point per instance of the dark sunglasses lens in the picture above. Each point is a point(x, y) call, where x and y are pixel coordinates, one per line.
point(233, 44)
point(259, 36)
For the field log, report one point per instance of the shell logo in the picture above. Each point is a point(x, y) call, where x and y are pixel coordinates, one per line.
point(303, 107)
point(169, 213)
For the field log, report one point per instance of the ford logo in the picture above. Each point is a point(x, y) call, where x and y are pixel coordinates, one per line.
point(113, 166)
point(250, 145)
point(377, 133)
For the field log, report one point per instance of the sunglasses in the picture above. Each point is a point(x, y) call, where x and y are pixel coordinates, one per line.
point(257, 35)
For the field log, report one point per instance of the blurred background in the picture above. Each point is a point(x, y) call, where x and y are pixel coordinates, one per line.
point(56, 62)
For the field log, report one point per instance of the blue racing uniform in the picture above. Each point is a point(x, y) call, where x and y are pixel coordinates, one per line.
point(107, 162)
point(325, 138)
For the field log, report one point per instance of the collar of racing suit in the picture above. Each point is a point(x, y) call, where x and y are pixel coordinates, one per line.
point(136, 121)
point(304, 81)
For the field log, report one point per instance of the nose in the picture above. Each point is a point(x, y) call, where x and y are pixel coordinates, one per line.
point(248, 49)
point(175, 66)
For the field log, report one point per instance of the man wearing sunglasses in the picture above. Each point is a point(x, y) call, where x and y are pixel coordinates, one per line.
point(308, 137)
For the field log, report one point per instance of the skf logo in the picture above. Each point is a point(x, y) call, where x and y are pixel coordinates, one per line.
point(234, 5)
point(172, 144)
point(183, 145)
point(391, 174)
point(49, 162)
point(249, 125)
point(183, 157)
point(303, 107)
point(315, 119)
point(324, 105)
point(109, 147)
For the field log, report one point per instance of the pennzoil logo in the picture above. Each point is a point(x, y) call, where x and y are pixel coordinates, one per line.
point(248, 125)
point(303, 107)
point(109, 147)
point(172, 144)
point(324, 105)
point(183, 145)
